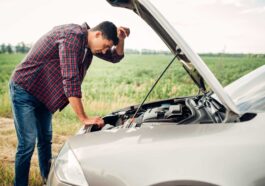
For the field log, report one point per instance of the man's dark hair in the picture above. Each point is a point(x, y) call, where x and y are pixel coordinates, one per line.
point(109, 31)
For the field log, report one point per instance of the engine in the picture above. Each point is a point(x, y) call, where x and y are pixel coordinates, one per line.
point(201, 109)
point(174, 111)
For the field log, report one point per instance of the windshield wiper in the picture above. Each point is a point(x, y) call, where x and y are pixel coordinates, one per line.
point(152, 89)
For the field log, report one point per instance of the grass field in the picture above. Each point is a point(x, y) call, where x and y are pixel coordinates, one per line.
point(108, 87)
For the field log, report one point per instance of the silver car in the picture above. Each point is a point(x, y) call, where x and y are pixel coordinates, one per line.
point(213, 138)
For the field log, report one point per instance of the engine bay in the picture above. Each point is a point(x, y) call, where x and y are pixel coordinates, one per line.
point(198, 109)
point(202, 109)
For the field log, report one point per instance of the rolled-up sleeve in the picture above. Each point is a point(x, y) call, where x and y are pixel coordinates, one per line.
point(70, 52)
point(111, 56)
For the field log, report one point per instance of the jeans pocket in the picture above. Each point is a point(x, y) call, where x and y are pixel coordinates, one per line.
point(12, 89)
point(18, 87)
point(18, 93)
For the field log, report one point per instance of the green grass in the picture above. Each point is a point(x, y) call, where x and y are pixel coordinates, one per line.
point(7, 174)
point(108, 87)
point(7, 64)
point(228, 69)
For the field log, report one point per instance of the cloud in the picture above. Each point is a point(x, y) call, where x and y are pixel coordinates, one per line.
point(257, 10)
point(208, 25)
point(245, 3)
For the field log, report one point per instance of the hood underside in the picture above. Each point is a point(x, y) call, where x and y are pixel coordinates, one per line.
point(191, 61)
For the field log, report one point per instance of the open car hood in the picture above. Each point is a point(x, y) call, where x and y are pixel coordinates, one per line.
point(191, 61)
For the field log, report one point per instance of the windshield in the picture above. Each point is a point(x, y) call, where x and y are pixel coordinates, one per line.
point(248, 92)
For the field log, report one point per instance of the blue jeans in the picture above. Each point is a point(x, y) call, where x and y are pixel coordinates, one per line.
point(32, 122)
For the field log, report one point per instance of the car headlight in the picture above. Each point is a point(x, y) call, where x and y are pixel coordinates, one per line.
point(67, 168)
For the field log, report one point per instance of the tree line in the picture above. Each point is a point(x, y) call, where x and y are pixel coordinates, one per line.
point(24, 48)
point(18, 48)
point(239, 55)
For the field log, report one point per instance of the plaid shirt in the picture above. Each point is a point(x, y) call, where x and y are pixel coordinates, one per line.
point(55, 67)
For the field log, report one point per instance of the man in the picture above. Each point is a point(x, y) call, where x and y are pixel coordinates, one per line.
point(49, 78)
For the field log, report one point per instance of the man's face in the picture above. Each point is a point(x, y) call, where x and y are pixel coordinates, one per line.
point(99, 44)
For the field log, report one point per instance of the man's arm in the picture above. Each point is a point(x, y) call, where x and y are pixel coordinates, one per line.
point(122, 32)
point(115, 54)
point(69, 57)
point(78, 108)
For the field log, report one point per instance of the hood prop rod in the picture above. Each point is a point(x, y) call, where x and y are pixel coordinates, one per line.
point(152, 89)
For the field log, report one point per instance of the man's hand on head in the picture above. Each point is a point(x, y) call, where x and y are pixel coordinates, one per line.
point(123, 32)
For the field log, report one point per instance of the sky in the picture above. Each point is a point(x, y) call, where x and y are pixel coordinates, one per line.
point(231, 26)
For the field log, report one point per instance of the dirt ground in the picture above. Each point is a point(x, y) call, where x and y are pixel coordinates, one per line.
point(8, 142)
